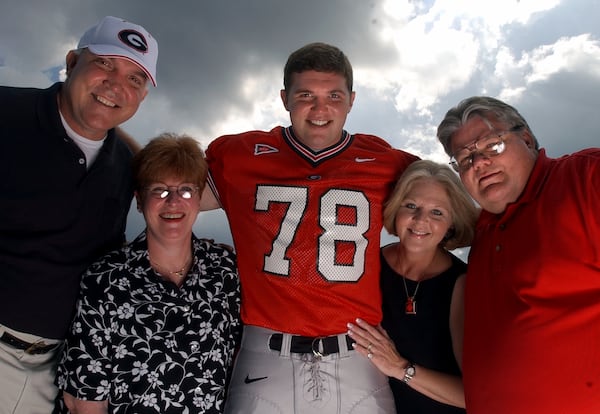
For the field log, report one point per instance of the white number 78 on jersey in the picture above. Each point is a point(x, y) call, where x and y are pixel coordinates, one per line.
point(296, 198)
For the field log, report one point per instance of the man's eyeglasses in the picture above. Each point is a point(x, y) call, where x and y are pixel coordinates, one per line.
point(159, 191)
point(487, 147)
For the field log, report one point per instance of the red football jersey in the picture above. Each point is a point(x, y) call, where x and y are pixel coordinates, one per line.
point(306, 226)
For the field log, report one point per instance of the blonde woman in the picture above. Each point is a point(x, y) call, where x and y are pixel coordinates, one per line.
point(419, 342)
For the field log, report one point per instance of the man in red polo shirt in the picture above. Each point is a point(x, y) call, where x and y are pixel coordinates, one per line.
point(532, 300)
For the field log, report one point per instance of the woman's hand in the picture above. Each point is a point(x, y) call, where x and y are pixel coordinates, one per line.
point(375, 344)
point(77, 406)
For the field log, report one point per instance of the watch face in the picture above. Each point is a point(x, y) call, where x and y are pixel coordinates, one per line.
point(410, 371)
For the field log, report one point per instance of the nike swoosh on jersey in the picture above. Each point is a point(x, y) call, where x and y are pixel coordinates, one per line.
point(249, 380)
point(358, 159)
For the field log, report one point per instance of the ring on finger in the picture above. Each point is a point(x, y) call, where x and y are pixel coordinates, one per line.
point(369, 347)
point(369, 355)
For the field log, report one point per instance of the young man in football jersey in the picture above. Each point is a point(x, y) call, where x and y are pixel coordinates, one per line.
point(304, 204)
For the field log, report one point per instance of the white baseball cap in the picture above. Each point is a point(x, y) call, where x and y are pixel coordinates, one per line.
point(116, 37)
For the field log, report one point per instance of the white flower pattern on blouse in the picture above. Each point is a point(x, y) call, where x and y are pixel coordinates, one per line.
point(148, 346)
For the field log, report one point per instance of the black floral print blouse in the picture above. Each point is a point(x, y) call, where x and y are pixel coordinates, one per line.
point(148, 346)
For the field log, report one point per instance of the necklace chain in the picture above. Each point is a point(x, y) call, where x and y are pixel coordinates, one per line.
point(179, 273)
point(410, 307)
point(406, 289)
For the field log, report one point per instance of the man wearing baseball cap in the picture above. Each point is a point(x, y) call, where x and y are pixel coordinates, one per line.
point(65, 193)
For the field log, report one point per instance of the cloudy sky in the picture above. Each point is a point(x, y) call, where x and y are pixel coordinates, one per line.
point(221, 63)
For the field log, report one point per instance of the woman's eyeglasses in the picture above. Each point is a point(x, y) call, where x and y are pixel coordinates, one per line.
point(185, 191)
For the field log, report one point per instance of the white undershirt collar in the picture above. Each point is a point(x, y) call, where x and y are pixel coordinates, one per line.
point(89, 147)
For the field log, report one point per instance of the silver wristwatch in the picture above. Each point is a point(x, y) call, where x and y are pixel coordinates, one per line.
point(409, 372)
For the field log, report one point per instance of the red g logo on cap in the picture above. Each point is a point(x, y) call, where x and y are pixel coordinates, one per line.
point(134, 40)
